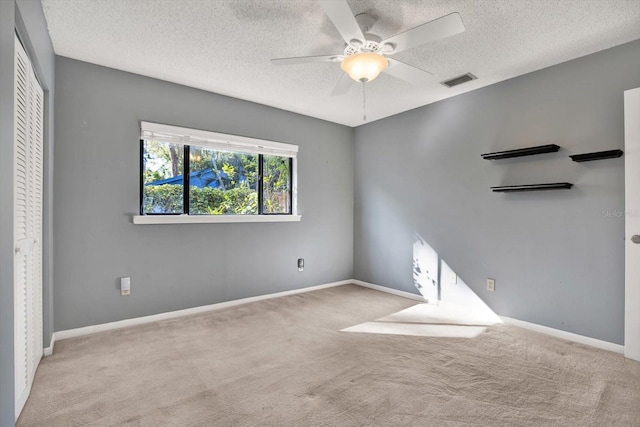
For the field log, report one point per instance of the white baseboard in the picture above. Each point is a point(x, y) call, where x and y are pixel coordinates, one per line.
point(569, 336)
point(388, 290)
point(78, 332)
point(48, 351)
point(72, 333)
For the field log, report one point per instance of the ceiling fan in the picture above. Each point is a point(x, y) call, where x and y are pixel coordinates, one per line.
point(366, 55)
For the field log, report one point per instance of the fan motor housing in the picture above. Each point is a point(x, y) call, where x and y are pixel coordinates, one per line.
point(368, 46)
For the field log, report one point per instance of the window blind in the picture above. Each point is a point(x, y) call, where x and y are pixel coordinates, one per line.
point(215, 140)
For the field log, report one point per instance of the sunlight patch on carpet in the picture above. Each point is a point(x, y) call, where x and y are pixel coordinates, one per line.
point(443, 314)
point(417, 329)
point(429, 320)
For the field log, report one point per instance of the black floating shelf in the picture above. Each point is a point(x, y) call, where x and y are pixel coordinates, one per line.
point(532, 187)
point(530, 151)
point(588, 157)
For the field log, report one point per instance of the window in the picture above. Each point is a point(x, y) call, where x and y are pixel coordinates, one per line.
point(207, 175)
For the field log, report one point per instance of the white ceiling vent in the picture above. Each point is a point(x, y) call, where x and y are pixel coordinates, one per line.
point(459, 80)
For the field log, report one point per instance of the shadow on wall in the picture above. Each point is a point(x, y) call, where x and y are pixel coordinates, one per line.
point(425, 270)
point(452, 310)
point(440, 285)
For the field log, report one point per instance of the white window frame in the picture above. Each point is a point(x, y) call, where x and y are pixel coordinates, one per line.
point(226, 142)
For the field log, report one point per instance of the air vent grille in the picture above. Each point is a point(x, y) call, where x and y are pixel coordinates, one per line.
point(459, 80)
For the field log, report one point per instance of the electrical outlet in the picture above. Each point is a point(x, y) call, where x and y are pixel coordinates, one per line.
point(300, 264)
point(491, 285)
point(453, 278)
point(125, 286)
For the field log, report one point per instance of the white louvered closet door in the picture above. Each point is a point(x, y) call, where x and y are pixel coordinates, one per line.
point(28, 173)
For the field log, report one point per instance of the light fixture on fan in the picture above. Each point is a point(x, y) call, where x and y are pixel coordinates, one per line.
point(364, 66)
point(366, 54)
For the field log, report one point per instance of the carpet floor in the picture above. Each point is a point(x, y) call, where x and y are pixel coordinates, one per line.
point(284, 362)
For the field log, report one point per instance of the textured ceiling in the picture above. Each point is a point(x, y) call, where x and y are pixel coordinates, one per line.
point(224, 46)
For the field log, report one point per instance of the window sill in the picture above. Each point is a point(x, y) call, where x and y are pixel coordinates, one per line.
point(208, 219)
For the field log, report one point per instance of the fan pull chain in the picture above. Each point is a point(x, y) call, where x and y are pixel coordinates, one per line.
point(364, 104)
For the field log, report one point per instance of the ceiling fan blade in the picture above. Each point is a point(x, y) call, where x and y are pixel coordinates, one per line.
point(408, 73)
point(343, 86)
point(440, 28)
point(306, 59)
point(341, 16)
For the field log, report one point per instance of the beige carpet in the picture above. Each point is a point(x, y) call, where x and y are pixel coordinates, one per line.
point(284, 362)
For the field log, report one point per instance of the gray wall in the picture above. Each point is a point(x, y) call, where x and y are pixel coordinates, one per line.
point(557, 257)
point(27, 18)
point(97, 157)
point(7, 396)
